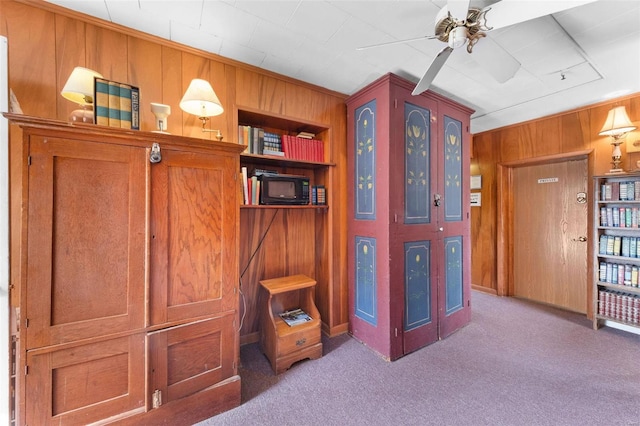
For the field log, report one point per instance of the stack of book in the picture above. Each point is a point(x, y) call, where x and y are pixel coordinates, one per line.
point(620, 191)
point(318, 195)
point(258, 141)
point(295, 317)
point(302, 148)
point(116, 104)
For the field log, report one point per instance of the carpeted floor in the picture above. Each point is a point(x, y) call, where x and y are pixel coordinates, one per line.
point(516, 363)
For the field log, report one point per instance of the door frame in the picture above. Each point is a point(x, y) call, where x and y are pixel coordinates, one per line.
point(505, 222)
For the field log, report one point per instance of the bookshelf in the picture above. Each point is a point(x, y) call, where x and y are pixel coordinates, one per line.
point(281, 343)
point(286, 240)
point(616, 293)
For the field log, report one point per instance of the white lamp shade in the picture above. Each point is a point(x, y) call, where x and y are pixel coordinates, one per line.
point(201, 100)
point(617, 122)
point(79, 86)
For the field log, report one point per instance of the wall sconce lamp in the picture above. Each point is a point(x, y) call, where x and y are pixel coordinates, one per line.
point(79, 88)
point(201, 100)
point(161, 111)
point(617, 126)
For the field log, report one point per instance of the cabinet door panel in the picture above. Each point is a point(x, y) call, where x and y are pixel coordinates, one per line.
point(86, 245)
point(186, 359)
point(194, 214)
point(83, 384)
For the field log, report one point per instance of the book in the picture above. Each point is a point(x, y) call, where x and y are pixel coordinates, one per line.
point(125, 106)
point(245, 188)
point(135, 108)
point(306, 135)
point(101, 96)
point(114, 104)
point(295, 316)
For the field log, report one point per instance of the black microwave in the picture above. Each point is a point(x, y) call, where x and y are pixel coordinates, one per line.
point(284, 189)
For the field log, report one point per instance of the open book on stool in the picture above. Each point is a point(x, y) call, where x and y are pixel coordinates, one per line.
point(295, 316)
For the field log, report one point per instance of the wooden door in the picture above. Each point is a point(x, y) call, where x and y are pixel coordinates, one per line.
point(194, 229)
point(86, 240)
point(550, 229)
point(188, 358)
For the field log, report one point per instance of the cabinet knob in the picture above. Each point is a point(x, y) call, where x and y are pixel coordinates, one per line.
point(582, 239)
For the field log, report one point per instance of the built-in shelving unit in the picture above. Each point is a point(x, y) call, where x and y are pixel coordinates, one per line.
point(616, 294)
point(286, 240)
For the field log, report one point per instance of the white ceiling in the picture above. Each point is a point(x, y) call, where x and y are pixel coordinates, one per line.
point(595, 46)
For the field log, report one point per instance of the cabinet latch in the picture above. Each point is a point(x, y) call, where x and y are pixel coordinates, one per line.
point(157, 398)
point(155, 156)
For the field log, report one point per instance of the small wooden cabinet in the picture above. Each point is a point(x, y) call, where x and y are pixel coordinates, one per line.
point(283, 344)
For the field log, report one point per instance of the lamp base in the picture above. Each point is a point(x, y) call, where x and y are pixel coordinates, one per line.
point(81, 116)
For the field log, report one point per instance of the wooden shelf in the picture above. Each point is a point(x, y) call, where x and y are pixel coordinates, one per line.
point(285, 206)
point(618, 287)
point(282, 162)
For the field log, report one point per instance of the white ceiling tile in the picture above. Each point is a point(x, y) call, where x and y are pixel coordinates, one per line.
point(186, 12)
point(129, 14)
point(276, 12)
point(273, 39)
point(199, 39)
point(97, 8)
point(239, 52)
point(225, 21)
point(316, 20)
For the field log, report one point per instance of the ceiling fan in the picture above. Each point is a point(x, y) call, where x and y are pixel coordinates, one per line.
point(458, 24)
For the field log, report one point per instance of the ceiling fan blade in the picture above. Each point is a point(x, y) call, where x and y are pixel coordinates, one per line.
point(495, 60)
point(509, 12)
point(433, 70)
point(395, 42)
point(458, 9)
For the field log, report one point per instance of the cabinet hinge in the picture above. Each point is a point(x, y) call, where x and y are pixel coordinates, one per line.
point(234, 365)
point(157, 398)
point(26, 323)
point(395, 103)
point(395, 218)
point(26, 370)
point(29, 160)
point(396, 331)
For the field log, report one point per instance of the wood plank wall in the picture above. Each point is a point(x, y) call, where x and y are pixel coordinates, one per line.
point(46, 42)
point(569, 132)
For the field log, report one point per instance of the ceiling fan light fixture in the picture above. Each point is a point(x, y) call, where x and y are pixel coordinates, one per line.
point(458, 37)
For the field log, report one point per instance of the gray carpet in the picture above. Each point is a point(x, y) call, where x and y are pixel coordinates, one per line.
point(516, 363)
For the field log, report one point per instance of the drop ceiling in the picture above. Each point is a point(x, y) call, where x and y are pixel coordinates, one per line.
point(577, 57)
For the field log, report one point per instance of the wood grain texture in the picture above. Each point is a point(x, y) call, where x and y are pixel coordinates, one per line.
point(32, 58)
point(172, 90)
point(550, 264)
point(568, 132)
point(144, 70)
point(260, 92)
point(70, 53)
point(107, 53)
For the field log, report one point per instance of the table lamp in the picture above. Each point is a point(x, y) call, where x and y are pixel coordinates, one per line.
point(617, 125)
point(80, 89)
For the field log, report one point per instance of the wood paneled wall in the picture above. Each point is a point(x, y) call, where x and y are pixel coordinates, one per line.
point(46, 42)
point(568, 132)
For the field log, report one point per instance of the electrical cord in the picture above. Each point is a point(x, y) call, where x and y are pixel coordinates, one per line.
point(255, 251)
